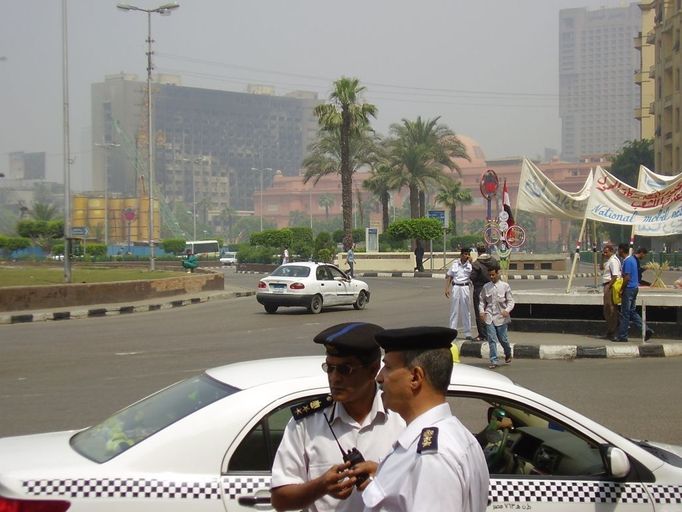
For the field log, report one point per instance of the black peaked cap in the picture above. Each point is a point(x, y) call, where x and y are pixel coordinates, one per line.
point(349, 338)
point(416, 338)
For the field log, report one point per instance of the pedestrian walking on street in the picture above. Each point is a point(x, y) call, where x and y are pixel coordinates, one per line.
point(419, 256)
point(610, 274)
point(457, 290)
point(629, 291)
point(495, 309)
point(350, 259)
point(479, 277)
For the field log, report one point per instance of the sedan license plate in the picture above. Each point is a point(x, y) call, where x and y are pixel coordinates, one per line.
point(278, 288)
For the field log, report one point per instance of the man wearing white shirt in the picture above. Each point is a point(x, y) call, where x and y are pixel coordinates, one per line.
point(457, 281)
point(436, 463)
point(610, 273)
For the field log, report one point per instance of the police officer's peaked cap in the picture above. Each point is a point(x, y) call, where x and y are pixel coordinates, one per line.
point(349, 338)
point(416, 338)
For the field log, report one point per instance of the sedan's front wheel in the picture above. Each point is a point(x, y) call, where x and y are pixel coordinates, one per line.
point(271, 308)
point(361, 301)
point(315, 305)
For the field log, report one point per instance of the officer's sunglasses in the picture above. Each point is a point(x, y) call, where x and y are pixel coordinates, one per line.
point(343, 369)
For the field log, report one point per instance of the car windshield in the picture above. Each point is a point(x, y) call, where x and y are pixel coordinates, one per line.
point(291, 271)
point(139, 421)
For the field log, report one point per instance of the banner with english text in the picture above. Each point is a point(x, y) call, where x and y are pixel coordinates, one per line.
point(538, 194)
point(653, 213)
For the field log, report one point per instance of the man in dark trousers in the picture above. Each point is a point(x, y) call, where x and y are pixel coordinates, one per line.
point(479, 276)
point(419, 256)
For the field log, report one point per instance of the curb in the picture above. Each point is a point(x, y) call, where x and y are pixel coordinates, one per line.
point(115, 310)
point(566, 352)
point(431, 275)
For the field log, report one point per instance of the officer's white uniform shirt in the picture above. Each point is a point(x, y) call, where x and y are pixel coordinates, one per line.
point(611, 269)
point(308, 448)
point(450, 476)
point(460, 272)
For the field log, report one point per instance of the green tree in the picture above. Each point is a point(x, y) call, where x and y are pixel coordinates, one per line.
point(326, 201)
point(173, 245)
point(450, 195)
point(418, 150)
point(421, 228)
point(44, 211)
point(346, 115)
point(378, 184)
point(625, 165)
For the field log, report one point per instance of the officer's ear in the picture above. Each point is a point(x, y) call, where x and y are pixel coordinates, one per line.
point(418, 377)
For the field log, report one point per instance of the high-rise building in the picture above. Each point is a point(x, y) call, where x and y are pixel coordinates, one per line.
point(26, 166)
point(597, 93)
point(666, 73)
point(644, 78)
point(207, 142)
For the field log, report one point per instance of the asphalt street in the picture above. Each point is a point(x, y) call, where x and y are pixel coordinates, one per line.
point(60, 375)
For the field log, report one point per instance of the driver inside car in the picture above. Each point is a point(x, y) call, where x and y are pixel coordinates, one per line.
point(493, 440)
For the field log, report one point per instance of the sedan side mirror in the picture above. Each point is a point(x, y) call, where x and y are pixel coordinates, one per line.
point(618, 462)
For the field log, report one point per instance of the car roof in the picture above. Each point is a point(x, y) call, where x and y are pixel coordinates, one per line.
point(249, 374)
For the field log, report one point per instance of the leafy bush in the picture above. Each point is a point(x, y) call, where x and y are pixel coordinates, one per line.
point(273, 238)
point(13, 243)
point(422, 228)
point(257, 254)
point(173, 245)
point(96, 250)
point(325, 255)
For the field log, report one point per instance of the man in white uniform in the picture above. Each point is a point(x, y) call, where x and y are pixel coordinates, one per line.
point(609, 275)
point(436, 463)
point(309, 471)
point(457, 288)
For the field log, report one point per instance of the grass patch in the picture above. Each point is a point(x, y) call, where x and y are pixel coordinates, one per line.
point(26, 276)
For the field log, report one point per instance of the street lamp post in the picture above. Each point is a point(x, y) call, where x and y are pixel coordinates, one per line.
point(261, 192)
point(164, 10)
point(106, 146)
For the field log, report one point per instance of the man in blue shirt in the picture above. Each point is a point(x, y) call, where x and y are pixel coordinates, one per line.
point(628, 310)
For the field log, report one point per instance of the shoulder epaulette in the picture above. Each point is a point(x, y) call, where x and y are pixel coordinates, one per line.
point(309, 407)
point(428, 441)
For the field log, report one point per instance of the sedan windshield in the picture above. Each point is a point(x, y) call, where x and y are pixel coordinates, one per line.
point(137, 422)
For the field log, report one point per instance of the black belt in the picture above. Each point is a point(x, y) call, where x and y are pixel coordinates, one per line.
point(460, 284)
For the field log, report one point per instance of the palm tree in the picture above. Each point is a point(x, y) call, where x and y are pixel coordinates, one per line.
point(44, 211)
point(450, 195)
point(378, 184)
point(418, 151)
point(326, 201)
point(346, 115)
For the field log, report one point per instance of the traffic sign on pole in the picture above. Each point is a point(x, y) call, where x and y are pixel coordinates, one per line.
point(79, 231)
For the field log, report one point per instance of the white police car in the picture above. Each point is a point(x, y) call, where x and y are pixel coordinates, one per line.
point(311, 285)
point(207, 444)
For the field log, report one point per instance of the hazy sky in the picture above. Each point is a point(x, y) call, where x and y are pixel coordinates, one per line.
point(489, 68)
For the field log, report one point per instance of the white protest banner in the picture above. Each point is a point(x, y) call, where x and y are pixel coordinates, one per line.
point(649, 181)
point(657, 213)
point(538, 194)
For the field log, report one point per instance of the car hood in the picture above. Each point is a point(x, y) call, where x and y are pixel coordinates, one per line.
point(50, 452)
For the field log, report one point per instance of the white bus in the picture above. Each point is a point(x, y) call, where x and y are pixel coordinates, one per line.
point(204, 248)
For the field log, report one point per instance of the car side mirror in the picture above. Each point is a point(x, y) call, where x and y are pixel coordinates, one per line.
point(618, 462)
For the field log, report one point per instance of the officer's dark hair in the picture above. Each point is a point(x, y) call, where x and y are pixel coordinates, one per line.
point(436, 363)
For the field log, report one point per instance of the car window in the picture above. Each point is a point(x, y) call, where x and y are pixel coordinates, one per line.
point(335, 272)
point(533, 444)
point(257, 450)
point(141, 420)
point(291, 271)
point(321, 274)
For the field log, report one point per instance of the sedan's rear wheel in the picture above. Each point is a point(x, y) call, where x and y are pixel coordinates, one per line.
point(315, 305)
point(361, 301)
point(270, 308)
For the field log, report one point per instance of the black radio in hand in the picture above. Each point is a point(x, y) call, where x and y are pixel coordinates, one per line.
point(353, 455)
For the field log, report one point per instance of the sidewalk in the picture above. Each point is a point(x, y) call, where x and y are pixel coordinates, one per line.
point(525, 345)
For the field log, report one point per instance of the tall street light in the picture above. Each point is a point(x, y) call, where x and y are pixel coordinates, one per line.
point(66, 145)
point(253, 169)
point(106, 146)
point(164, 10)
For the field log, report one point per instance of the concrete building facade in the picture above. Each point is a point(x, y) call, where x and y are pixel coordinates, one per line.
point(597, 94)
point(644, 76)
point(209, 144)
point(666, 72)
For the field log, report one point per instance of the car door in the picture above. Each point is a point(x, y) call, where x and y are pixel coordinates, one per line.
point(246, 482)
point(539, 463)
point(329, 288)
point(343, 291)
